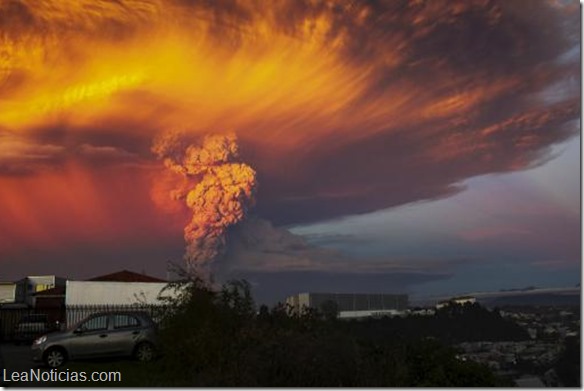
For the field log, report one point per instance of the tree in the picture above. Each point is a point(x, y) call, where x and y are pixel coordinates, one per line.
point(213, 336)
point(568, 365)
point(329, 310)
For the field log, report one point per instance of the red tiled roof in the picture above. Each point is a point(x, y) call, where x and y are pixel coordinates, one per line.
point(126, 276)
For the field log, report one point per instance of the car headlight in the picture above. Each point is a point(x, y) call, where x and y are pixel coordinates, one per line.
point(40, 340)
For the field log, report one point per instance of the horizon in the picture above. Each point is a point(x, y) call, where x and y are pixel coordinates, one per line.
point(417, 298)
point(414, 147)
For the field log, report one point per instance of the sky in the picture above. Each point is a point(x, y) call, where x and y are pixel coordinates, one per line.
point(426, 147)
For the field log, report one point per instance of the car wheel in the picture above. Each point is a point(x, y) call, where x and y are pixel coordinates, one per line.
point(144, 352)
point(55, 357)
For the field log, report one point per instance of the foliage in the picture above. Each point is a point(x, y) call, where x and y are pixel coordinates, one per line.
point(215, 337)
point(452, 324)
point(329, 310)
point(568, 365)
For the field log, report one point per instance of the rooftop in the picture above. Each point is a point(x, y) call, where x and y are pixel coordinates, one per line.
point(126, 276)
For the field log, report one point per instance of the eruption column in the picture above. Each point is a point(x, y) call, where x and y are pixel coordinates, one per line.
point(222, 193)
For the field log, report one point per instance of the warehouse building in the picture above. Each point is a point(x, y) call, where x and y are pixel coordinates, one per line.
point(352, 305)
point(120, 290)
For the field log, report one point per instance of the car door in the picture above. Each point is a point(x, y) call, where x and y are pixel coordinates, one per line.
point(124, 333)
point(90, 338)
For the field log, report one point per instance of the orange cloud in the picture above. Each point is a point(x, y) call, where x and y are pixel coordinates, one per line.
point(341, 107)
point(69, 206)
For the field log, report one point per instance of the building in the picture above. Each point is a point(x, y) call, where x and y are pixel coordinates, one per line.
point(51, 302)
point(70, 301)
point(119, 288)
point(352, 305)
point(422, 311)
point(462, 300)
point(27, 287)
point(124, 288)
point(126, 276)
point(7, 293)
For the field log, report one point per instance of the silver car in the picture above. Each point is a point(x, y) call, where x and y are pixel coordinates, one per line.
point(109, 334)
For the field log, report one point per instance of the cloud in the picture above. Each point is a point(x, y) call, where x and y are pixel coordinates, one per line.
point(28, 155)
point(494, 232)
point(417, 163)
point(332, 240)
point(279, 263)
point(62, 208)
point(255, 245)
point(554, 264)
point(341, 107)
point(105, 152)
point(19, 155)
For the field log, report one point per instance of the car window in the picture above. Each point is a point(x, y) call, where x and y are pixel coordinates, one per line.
point(125, 321)
point(94, 324)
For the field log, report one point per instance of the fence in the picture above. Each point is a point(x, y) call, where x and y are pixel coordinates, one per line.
point(25, 324)
point(76, 313)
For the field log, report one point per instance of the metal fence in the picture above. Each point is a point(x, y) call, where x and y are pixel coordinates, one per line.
point(25, 324)
point(76, 313)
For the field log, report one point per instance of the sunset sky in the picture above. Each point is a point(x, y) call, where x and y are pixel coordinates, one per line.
point(427, 147)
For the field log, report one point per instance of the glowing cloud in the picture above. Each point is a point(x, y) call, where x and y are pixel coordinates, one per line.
point(220, 198)
point(340, 107)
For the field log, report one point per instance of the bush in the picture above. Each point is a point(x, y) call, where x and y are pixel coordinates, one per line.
point(215, 337)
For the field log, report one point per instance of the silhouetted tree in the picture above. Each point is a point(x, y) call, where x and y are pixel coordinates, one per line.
point(568, 364)
point(213, 336)
point(329, 310)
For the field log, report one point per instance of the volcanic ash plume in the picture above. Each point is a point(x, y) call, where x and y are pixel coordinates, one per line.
point(217, 189)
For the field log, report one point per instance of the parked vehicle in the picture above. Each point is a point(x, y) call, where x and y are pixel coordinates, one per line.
point(109, 334)
point(30, 327)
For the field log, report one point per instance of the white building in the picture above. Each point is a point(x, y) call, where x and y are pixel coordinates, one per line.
point(353, 305)
point(120, 289)
point(113, 293)
point(462, 300)
point(371, 314)
point(7, 292)
point(423, 311)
